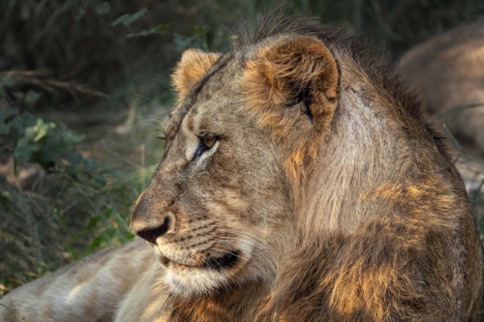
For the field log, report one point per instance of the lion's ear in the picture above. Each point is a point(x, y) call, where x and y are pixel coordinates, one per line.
point(293, 80)
point(193, 64)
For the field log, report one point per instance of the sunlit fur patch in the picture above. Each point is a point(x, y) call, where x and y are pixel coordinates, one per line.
point(190, 69)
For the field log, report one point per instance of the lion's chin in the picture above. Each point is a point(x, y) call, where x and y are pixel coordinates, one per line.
point(195, 281)
point(226, 261)
point(206, 278)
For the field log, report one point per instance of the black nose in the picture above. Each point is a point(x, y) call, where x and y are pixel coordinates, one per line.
point(151, 234)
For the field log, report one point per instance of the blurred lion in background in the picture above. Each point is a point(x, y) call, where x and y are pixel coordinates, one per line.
point(448, 70)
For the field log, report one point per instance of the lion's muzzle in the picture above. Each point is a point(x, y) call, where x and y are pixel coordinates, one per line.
point(180, 240)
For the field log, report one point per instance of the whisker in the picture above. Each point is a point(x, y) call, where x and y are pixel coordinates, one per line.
point(243, 234)
point(230, 241)
point(149, 100)
point(230, 252)
point(151, 119)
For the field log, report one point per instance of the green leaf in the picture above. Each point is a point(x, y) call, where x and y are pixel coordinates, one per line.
point(197, 39)
point(110, 233)
point(5, 114)
point(120, 20)
point(142, 33)
point(25, 151)
point(89, 164)
point(32, 96)
point(81, 13)
point(200, 31)
point(5, 129)
point(182, 42)
point(127, 19)
point(160, 29)
point(68, 4)
point(41, 128)
point(103, 8)
point(7, 81)
point(72, 251)
point(99, 180)
point(137, 15)
point(96, 243)
point(81, 177)
point(74, 158)
point(93, 223)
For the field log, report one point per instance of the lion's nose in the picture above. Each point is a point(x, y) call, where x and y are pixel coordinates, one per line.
point(151, 218)
point(151, 232)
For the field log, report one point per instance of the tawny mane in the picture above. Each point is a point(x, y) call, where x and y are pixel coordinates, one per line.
point(376, 193)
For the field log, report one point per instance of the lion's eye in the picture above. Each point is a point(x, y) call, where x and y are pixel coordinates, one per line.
point(209, 140)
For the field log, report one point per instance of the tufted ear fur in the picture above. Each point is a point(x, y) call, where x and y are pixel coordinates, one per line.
point(292, 85)
point(193, 64)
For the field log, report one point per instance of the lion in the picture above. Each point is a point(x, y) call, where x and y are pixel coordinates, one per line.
point(299, 183)
point(448, 69)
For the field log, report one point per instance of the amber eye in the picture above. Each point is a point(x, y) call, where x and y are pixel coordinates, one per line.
point(209, 140)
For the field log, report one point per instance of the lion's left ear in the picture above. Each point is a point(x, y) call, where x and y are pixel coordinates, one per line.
point(293, 82)
point(193, 64)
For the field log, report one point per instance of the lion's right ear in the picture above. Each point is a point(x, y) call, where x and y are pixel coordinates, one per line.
point(193, 64)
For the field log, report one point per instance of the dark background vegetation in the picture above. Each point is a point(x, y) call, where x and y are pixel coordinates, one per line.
point(84, 85)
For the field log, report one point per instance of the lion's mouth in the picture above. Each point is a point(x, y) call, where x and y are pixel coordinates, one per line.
point(226, 261)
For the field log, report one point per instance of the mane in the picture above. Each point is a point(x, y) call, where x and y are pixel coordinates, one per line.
point(274, 24)
point(327, 207)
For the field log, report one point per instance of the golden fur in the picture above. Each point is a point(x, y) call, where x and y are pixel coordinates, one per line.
point(299, 183)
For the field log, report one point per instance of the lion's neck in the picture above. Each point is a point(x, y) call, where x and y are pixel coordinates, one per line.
point(354, 161)
point(237, 303)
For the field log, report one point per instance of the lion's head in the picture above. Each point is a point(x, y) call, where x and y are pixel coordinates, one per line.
point(294, 153)
point(220, 208)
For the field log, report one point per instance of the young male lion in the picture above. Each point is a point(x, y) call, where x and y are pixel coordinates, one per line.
point(299, 183)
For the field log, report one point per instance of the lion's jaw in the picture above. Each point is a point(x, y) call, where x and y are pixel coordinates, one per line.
point(206, 248)
point(212, 273)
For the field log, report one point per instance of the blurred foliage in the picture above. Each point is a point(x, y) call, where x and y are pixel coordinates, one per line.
point(129, 46)
point(101, 68)
point(58, 198)
point(31, 139)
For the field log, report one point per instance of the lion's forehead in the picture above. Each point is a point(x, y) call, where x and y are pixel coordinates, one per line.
point(212, 98)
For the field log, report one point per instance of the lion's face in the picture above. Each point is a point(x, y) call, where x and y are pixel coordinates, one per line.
point(219, 208)
point(218, 197)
